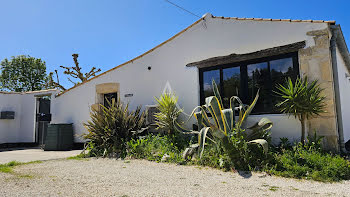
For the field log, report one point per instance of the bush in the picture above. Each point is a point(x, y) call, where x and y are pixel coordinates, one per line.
point(308, 161)
point(153, 148)
point(168, 112)
point(110, 128)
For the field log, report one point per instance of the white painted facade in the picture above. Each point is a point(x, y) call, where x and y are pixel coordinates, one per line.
point(210, 37)
point(344, 90)
point(22, 128)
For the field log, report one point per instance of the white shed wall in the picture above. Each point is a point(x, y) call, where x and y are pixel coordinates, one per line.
point(22, 128)
point(209, 38)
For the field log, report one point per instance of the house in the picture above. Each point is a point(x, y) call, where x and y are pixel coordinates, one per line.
point(242, 55)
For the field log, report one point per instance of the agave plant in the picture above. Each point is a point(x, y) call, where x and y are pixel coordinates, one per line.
point(222, 127)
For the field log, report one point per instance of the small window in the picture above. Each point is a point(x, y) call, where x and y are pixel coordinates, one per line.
point(108, 98)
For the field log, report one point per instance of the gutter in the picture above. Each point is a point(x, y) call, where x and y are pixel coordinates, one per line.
point(338, 40)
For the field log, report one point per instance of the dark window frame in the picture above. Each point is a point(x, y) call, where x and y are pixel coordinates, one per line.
point(244, 77)
point(109, 96)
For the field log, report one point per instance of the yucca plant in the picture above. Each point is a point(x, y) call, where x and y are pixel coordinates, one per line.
point(168, 112)
point(110, 128)
point(223, 128)
point(301, 99)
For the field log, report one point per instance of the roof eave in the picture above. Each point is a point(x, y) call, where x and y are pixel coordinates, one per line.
point(341, 44)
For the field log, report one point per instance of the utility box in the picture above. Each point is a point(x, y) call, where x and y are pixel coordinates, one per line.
point(7, 115)
point(59, 137)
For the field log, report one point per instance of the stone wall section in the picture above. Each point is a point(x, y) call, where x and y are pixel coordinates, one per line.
point(315, 63)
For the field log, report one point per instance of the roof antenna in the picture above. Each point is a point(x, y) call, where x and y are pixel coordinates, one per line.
point(182, 8)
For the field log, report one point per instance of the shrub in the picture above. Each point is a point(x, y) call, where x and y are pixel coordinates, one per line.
point(153, 148)
point(167, 115)
point(168, 112)
point(110, 128)
point(311, 164)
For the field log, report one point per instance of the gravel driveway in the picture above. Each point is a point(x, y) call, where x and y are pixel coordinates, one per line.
point(33, 154)
point(108, 177)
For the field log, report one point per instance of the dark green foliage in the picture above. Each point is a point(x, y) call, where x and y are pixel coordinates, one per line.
point(111, 128)
point(309, 161)
point(22, 73)
point(153, 148)
point(303, 163)
point(301, 99)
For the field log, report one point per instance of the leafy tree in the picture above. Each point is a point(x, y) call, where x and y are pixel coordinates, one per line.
point(301, 99)
point(75, 72)
point(22, 73)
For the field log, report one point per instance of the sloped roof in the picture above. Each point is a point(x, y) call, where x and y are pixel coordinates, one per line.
point(29, 92)
point(270, 19)
point(184, 30)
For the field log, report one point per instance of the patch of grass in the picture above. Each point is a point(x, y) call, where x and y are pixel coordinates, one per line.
point(8, 167)
point(78, 157)
point(27, 176)
point(310, 164)
point(273, 188)
point(293, 188)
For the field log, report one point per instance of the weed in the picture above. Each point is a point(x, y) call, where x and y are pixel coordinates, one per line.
point(273, 188)
point(8, 167)
point(79, 157)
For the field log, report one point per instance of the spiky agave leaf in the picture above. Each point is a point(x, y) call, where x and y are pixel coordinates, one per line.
point(263, 143)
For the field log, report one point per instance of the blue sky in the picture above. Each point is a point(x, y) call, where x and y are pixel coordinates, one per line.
point(107, 33)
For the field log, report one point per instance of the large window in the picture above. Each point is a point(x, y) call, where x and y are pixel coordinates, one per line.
point(244, 79)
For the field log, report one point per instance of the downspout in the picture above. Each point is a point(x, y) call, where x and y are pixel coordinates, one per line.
point(333, 50)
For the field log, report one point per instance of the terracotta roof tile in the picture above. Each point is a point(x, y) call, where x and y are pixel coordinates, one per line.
point(270, 19)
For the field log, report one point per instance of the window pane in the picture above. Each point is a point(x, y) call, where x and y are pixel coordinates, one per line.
point(280, 70)
point(259, 78)
point(231, 84)
point(208, 76)
point(108, 99)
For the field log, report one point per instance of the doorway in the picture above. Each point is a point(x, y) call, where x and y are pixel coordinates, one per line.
point(43, 118)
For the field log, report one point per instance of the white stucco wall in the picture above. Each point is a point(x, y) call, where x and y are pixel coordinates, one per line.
point(22, 128)
point(209, 38)
point(344, 89)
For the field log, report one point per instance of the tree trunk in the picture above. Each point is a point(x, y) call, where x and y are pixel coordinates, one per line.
point(302, 120)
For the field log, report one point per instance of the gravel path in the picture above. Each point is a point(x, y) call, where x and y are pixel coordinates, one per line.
point(108, 177)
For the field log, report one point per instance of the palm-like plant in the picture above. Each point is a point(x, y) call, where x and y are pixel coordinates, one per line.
point(110, 128)
point(168, 112)
point(301, 99)
point(223, 128)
